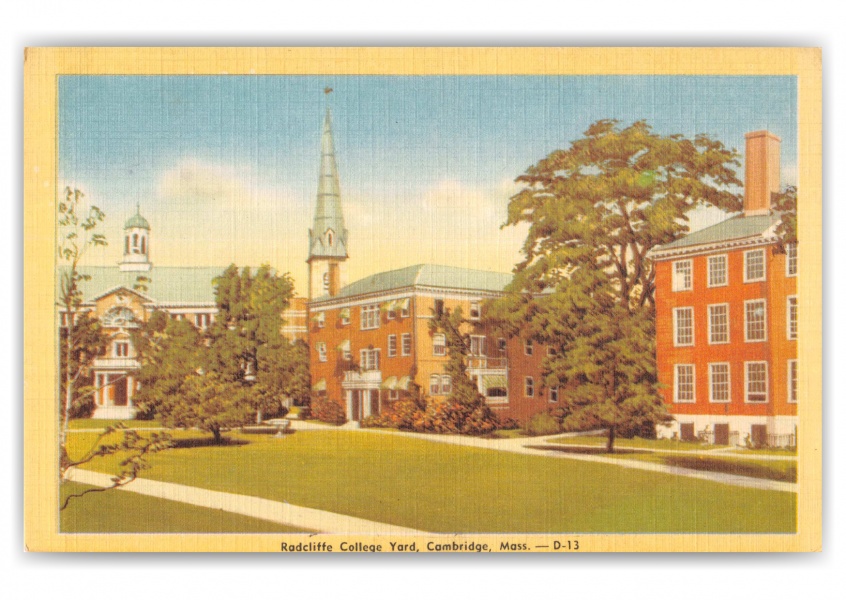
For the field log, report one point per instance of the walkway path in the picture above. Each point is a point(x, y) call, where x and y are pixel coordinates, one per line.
point(522, 446)
point(269, 510)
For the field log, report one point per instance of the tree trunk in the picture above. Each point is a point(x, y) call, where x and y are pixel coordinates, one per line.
point(218, 439)
point(68, 377)
point(612, 434)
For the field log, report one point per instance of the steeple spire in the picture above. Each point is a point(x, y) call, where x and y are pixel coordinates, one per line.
point(327, 239)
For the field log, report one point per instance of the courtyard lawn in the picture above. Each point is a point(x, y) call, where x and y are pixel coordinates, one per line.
point(449, 488)
point(636, 442)
point(117, 511)
point(103, 423)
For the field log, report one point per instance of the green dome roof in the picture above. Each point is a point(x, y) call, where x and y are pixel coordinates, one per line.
point(136, 220)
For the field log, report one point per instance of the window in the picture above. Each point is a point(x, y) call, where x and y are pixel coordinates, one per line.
point(439, 344)
point(446, 384)
point(718, 270)
point(553, 394)
point(477, 345)
point(434, 385)
point(718, 324)
point(326, 281)
point(792, 260)
point(756, 381)
point(370, 316)
point(370, 359)
point(321, 351)
point(682, 275)
point(685, 384)
point(439, 307)
point(345, 316)
point(754, 268)
point(392, 311)
point(321, 319)
point(683, 326)
point(529, 387)
point(393, 394)
point(143, 244)
point(792, 318)
point(475, 311)
point(756, 320)
point(406, 344)
point(126, 246)
point(121, 349)
point(404, 307)
point(202, 320)
point(392, 346)
point(792, 381)
point(529, 347)
point(330, 237)
point(719, 382)
point(502, 345)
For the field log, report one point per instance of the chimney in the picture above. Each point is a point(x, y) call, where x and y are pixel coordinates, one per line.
point(763, 171)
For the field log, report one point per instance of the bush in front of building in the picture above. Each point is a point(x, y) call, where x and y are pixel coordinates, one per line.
point(328, 411)
point(543, 423)
point(405, 414)
point(448, 415)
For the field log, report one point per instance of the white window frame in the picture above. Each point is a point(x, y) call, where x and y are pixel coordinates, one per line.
point(711, 382)
point(553, 394)
point(502, 345)
point(676, 371)
point(682, 285)
point(321, 319)
point(529, 387)
point(724, 257)
point(405, 311)
point(746, 381)
point(710, 324)
point(121, 349)
point(479, 342)
point(762, 252)
point(746, 320)
point(370, 317)
point(791, 257)
point(446, 385)
point(346, 320)
point(529, 347)
point(393, 394)
point(676, 312)
point(792, 317)
point(392, 345)
point(370, 358)
point(475, 310)
point(434, 385)
point(438, 348)
point(792, 381)
point(405, 350)
point(321, 352)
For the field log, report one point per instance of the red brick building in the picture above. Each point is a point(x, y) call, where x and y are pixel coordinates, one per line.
point(726, 310)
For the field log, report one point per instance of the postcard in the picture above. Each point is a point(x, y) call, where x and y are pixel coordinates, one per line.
point(456, 300)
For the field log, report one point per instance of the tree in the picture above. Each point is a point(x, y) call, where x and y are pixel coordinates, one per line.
point(586, 284)
point(87, 341)
point(77, 234)
point(464, 410)
point(785, 203)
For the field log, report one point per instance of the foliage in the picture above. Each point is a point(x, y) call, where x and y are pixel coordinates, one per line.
point(586, 284)
point(507, 423)
point(406, 414)
point(77, 233)
point(328, 411)
point(785, 203)
point(209, 402)
point(543, 423)
point(133, 446)
point(86, 340)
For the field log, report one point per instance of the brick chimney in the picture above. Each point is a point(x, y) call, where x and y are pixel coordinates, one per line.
point(763, 171)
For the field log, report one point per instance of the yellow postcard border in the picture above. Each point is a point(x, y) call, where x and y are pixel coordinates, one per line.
point(43, 65)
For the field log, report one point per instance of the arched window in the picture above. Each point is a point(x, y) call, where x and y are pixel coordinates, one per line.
point(143, 244)
point(119, 316)
point(135, 243)
point(330, 237)
point(326, 281)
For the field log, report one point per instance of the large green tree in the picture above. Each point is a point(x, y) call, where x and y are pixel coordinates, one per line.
point(586, 284)
point(86, 340)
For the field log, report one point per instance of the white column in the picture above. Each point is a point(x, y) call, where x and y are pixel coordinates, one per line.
point(130, 390)
point(349, 404)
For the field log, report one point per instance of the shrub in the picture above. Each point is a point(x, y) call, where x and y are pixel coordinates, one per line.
point(328, 411)
point(446, 415)
point(83, 407)
point(508, 423)
point(543, 424)
point(403, 414)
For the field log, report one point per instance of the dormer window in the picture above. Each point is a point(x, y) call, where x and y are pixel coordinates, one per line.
point(326, 281)
point(330, 237)
point(135, 243)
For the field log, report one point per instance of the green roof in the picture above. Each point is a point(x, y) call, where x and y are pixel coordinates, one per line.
point(437, 276)
point(735, 228)
point(136, 220)
point(167, 285)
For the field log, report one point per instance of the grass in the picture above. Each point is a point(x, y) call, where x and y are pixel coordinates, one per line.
point(768, 451)
point(448, 488)
point(117, 511)
point(636, 442)
point(103, 423)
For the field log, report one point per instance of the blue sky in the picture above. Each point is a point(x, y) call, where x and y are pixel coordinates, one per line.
point(225, 167)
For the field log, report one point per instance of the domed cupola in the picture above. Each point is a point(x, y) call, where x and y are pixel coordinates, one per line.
point(136, 243)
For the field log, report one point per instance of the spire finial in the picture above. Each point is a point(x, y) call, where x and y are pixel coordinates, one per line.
point(137, 208)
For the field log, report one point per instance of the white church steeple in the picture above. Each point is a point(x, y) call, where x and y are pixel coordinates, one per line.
point(136, 243)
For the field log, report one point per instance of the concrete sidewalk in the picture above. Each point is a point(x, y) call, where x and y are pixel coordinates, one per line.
point(309, 519)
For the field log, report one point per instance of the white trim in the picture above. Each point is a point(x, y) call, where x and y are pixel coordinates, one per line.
point(763, 265)
point(699, 249)
point(791, 397)
point(791, 334)
point(746, 366)
point(795, 247)
point(675, 285)
point(676, 383)
point(436, 345)
point(529, 347)
point(676, 327)
point(708, 274)
point(393, 337)
point(403, 337)
point(746, 303)
point(322, 355)
point(553, 391)
point(529, 385)
point(728, 324)
point(711, 382)
point(327, 303)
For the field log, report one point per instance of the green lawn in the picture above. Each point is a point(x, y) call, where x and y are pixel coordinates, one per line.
point(448, 488)
point(103, 423)
point(636, 442)
point(118, 511)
